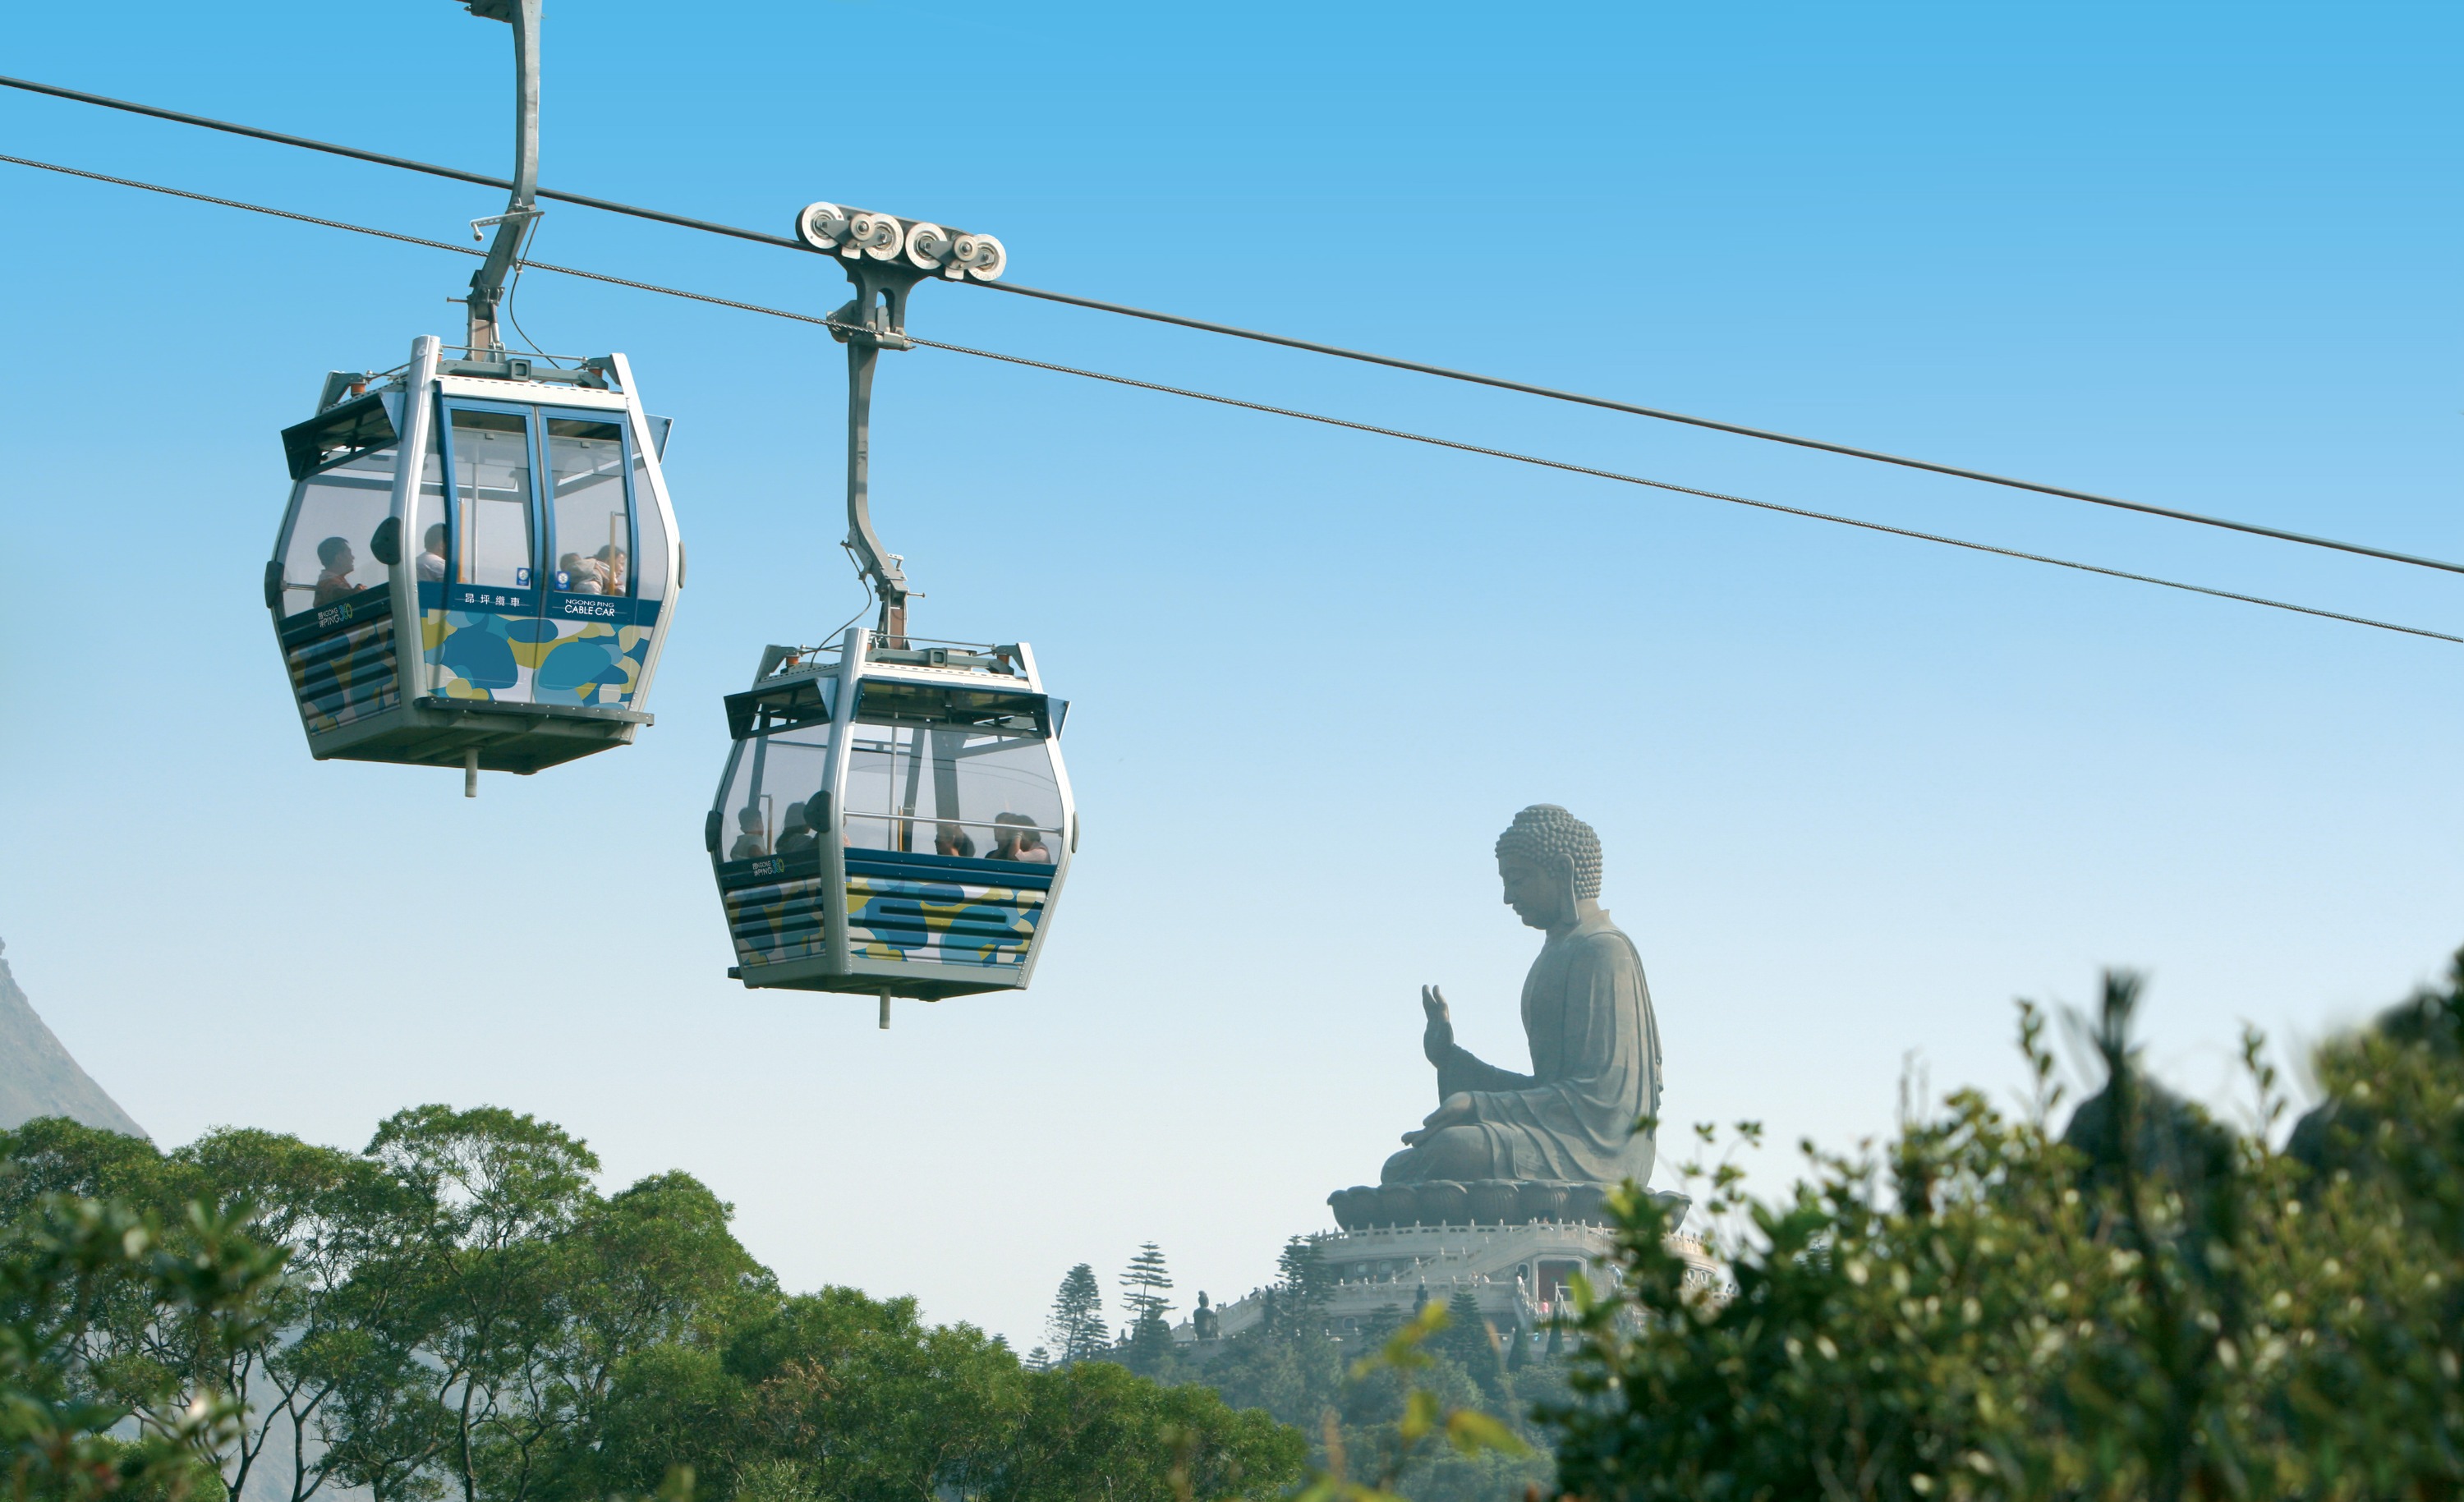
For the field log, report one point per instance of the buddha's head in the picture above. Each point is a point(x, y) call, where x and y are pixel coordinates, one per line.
point(1550, 862)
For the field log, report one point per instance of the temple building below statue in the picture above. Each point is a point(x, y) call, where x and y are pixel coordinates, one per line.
point(1518, 1275)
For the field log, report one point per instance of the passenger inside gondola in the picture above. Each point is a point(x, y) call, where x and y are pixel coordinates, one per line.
point(1019, 841)
point(335, 583)
point(949, 839)
point(432, 556)
point(751, 845)
point(610, 562)
point(795, 834)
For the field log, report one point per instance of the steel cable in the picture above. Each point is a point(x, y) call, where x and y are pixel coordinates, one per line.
point(1296, 413)
point(1286, 341)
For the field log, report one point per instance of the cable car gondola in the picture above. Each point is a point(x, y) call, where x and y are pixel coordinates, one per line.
point(505, 513)
point(894, 818)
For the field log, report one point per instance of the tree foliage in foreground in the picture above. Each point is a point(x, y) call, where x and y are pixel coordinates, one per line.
point(2150, 1306)
point(84, 1416)
point(464, 1317)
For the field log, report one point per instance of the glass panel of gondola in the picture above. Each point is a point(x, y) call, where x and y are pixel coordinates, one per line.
point(982, 791)
point(490, 646)
point(953, 824)
point(774, 800)
point(651, 557)
point(590, 657)
point(329, 580)
point(765, 835)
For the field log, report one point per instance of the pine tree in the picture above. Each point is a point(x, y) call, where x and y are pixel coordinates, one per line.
point(1077, 1329)
point(1472, 1340)
point(1303, 1284)
point(1145, 1284)
point(1148, 1348)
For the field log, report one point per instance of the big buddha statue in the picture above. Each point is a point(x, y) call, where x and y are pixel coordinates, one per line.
point(1572, 1122)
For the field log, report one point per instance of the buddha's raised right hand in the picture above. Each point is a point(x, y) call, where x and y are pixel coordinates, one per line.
point(1438, 1039)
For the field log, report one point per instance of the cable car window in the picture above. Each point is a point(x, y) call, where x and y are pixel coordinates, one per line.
point(593, 526)
point(650, 563)
point(952, 792)
point(491, 497)
point(331, 552)
point(775, 779)
point(429, 565)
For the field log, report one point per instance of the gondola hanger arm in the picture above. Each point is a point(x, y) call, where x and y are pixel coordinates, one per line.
point(885, 256)
point(488, 282)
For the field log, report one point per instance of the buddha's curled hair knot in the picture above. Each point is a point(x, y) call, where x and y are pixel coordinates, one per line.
point(1548, 834)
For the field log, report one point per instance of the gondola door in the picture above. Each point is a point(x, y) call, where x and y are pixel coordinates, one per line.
point(592, 650)
point(540, 603)
point(487, 636)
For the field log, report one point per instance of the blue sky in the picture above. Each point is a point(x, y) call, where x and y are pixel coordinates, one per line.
point(1857, 793)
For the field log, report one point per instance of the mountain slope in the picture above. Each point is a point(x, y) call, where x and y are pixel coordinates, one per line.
point(37, 1077)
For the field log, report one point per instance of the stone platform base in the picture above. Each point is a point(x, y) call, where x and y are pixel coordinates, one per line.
point(1517, 1274)
point(1482, 1202)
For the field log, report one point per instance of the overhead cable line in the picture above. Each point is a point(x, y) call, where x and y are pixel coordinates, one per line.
point(1740, 429)
point(1457, 444)
point(405, 163)
point(1681, 489)
point(1286, 341)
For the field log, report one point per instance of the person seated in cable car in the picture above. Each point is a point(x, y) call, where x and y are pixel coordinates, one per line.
point(335, 583)
point(580, 575)
point(432, 556)
point(1019, 841)
point(610, 561)
point(752, 844)
point(795, 831)
point(949, 839)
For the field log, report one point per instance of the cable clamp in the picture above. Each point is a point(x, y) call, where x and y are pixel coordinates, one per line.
point(510, 216)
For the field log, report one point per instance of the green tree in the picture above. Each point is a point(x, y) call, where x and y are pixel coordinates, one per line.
point(1144, 1285)
point(1096, 1429)
point(1400, 1404)
point(1303, 1284)
point(302, 1198)
point(1148, 1348)
point(466, 1315)
point(466, 1354)
point(2148, 1306)
point(1471, 1341)
point(1289, 1364)
point(1076, 1328)
point(63, 1261)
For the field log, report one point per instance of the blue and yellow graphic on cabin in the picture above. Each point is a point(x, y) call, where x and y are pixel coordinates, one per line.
point(503, 645)
point(776, 917)
point(948, 923)
point(341, 661)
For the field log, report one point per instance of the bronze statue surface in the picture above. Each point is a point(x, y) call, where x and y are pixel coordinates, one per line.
point(1587, 1015)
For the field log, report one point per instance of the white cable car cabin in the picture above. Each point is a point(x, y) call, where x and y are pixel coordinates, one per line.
point(894, 820)
point(506, 516)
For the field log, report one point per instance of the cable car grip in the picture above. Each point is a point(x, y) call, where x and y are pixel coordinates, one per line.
point(885, 256)
point(488, 282)
point(874, 321)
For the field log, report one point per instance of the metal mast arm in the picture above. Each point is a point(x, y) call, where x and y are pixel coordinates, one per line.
point(885, 256)
point(488, 282)
point(879, 564)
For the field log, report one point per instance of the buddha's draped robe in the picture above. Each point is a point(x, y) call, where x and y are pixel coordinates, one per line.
point(1594, 1067)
